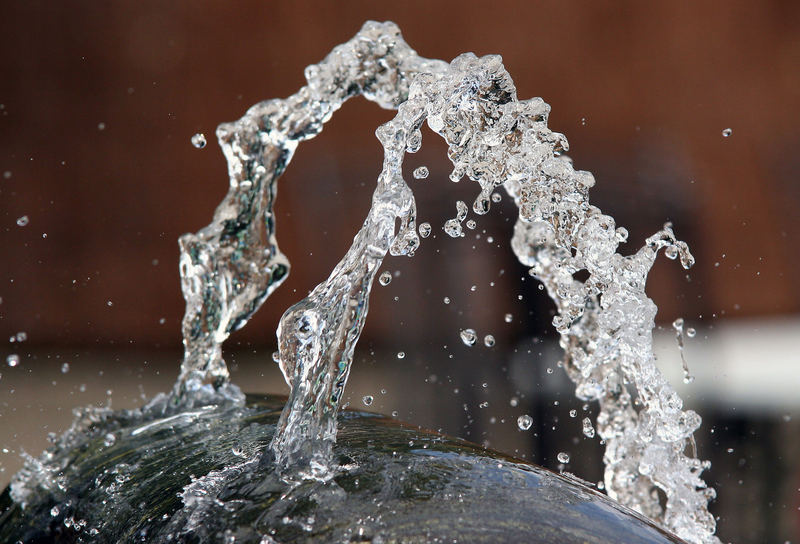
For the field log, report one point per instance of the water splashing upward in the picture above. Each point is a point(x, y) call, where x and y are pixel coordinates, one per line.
point(231, 266)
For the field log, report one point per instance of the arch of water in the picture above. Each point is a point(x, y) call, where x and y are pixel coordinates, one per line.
point(231, 266)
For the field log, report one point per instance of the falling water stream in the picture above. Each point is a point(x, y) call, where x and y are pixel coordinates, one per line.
point(231, 266)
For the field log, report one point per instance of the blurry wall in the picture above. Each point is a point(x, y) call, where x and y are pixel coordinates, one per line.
point(99, 101)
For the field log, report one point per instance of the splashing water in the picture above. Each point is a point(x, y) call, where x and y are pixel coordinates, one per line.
point(231, 266)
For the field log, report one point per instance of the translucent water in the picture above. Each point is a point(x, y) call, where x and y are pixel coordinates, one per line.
point(231, 266)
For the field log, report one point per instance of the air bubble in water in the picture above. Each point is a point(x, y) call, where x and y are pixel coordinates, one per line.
point(524, 422)
point(421, 172)
point(199, 140)
point(727, 132)
point(424, 229)
point(12, 360)
point(468, 336)
point(488, 340)
point(22, 221)
point(385, 278)
point(367, 400)
point(563, 457)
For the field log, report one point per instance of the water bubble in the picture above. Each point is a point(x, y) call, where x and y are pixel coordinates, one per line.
point(22, 221)
point(401, 354)
point(12, 360)
point(727, 132)
point(588, 429)
point(65, 368)
point(468, 336)
point(424, 229)
point(367, 400)
point(496, 197)
point(508, 318)
point(421, 172)
point(524, 422)
point(385, 278)
point(563, 457)
point(199, 140)
point(488, 340)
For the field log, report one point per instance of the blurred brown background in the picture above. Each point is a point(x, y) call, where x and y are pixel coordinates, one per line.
point(98, 102)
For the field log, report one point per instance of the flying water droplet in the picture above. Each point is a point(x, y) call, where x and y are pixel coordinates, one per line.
point(424, 229)
point(367, 400)
point(469, 337)
point(488, 340)
point(12, 360)
point(401, 354)
point(199, 140)
point(421, 172)
point(588, 429)
point(727, 132)
point(496, 197)
point(508, 318)
point(22, 221)
point(563, 457)
point(524, 422)
point(385, 278)
point(65, 368)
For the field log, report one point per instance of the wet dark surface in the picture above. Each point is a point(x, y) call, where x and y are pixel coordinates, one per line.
point(395, 483)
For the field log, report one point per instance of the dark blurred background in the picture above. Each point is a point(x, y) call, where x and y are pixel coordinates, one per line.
point(98, 102)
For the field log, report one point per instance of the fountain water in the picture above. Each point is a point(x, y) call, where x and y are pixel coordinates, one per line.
point(231, 266)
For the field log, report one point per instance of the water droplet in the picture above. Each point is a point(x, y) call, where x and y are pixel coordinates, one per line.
point(488, 340)
point(446, 300)
point(421, 172)
point(22, 221)
point(424, 229)
point(727, 132)
point(54, 511)
point(199, 140)
point(496, 197)
point(276, 356)
point(573, 413)
point(524, 422)
point(65, 368)
point(22, 336)
point(12, 360)
point(513, 401)
point(588, 429)
point(109, 439)
point(563, 457)
point(109, 303)
point(385, 278)
point(101, 126)
point(7, 174)
point(691, 332)
point(471, 224)
point(468, 336)
point(401, 354)
point(367, 400)
point(508, 318)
